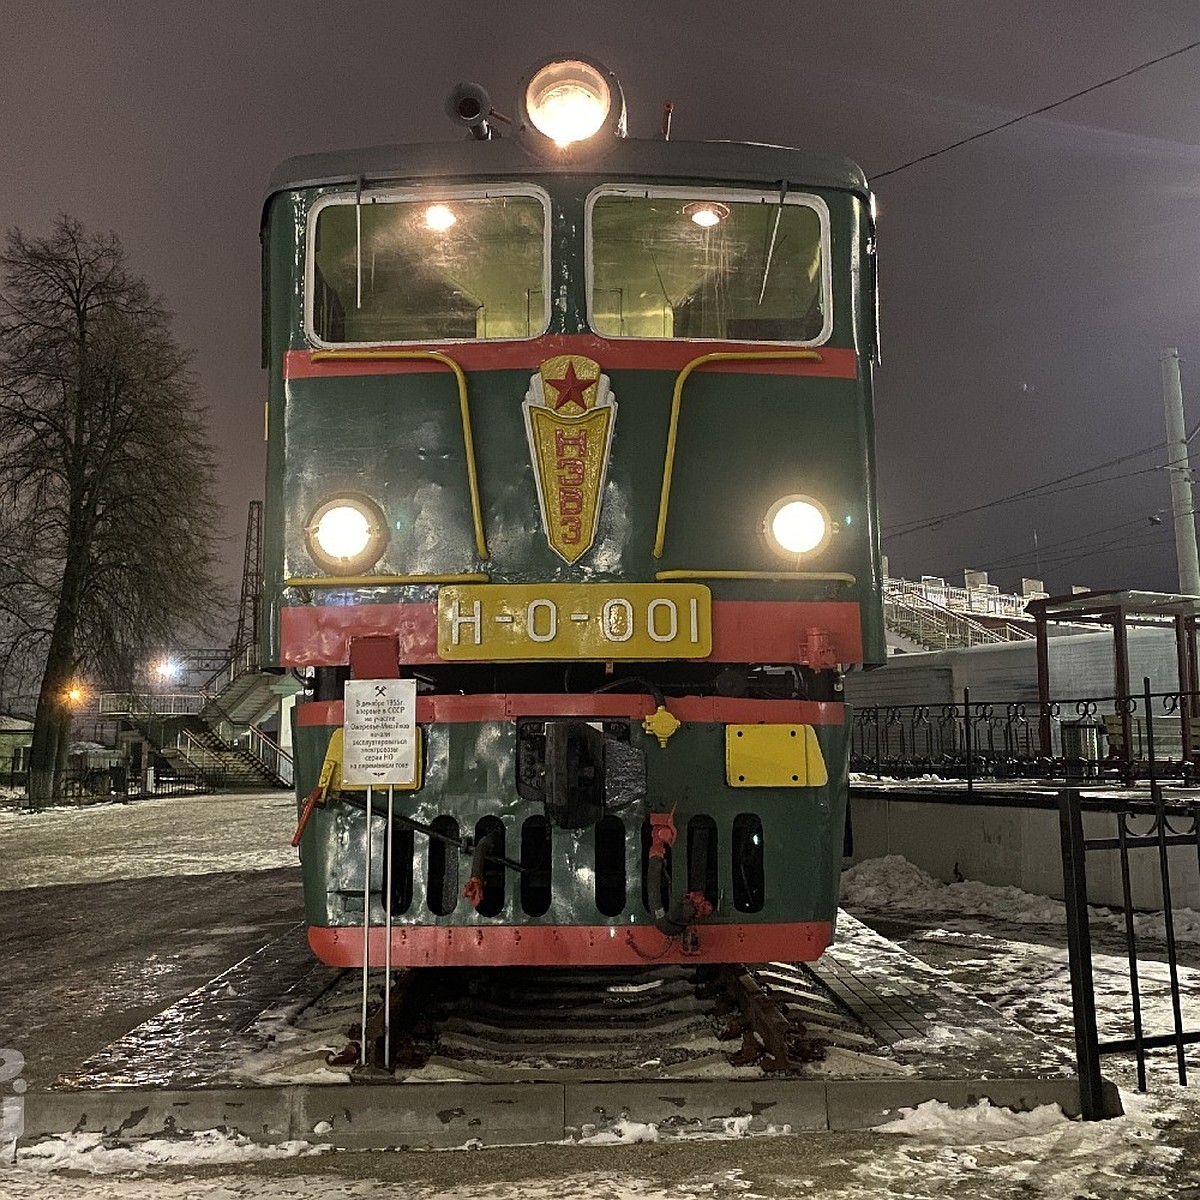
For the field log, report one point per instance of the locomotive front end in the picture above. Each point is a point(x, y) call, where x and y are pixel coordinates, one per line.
point(570, 450)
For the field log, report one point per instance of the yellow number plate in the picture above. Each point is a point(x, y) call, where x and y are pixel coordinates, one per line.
point(570, 621)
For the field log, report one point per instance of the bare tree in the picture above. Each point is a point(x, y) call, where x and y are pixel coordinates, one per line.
point(106, 476)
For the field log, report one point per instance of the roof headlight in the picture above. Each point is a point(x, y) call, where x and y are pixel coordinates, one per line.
point(571, 100)
point(346, 535)
point(797, 525)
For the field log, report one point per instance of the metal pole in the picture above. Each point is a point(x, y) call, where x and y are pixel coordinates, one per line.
point(967, 739)
point(1160, 821)
point(387, 945)
point(1135, 990)
point(1182, 508)
point(1079, 949)
point(366, 941)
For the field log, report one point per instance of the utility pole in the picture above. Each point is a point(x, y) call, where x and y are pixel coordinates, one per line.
point(1182, 506)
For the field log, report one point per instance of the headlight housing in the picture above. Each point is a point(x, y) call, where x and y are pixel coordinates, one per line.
point(797, 525)
point(346, 534)
point(571, 100)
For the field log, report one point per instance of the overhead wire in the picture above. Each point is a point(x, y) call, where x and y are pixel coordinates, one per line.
point(1071, 552)
point(1037, 491)
point(1035, 112)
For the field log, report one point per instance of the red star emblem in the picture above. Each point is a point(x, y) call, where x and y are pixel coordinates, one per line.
point(570, 388)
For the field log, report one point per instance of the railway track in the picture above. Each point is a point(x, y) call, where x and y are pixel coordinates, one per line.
point(655, 1023)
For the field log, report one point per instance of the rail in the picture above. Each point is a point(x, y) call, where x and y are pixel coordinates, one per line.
point(938, 627)
point(986, 601)
point(149, 705)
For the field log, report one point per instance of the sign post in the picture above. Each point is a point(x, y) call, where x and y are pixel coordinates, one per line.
point(380, 747)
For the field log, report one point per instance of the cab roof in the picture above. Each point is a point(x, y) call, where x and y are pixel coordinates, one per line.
point(509, 158)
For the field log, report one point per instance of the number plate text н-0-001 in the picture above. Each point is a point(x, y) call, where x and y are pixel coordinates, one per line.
point(597, 621)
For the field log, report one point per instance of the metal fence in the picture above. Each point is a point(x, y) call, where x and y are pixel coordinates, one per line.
point(1097, 737)
point(1154, 826)
point(93, 785)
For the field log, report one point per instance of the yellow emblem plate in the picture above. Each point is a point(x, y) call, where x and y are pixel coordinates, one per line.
point(569, 414)
point(597, 621)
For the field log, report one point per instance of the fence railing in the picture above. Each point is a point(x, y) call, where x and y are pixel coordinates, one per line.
point(986, 601)
point(1099, 737)
point(91, 785)
point(150, 704)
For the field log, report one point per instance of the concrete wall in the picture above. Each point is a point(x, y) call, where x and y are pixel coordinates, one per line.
point(1014, 846)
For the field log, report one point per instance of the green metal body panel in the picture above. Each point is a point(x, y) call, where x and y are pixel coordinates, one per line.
point(469, 773)
point(744, 440)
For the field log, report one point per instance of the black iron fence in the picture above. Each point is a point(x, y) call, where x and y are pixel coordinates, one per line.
point(93, 785)
point(1098, 737)
point(1154, 825)
point(1149, 742)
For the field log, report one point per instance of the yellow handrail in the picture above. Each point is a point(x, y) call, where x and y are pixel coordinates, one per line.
point(333, 581)
point(468, 444)
point(680, 379)
point(778, 576)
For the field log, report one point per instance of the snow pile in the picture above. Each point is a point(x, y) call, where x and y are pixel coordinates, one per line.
point(619, 1133)
point(936, 1121)
point(95, 1153)
point(993, 1152)
point(892, 882)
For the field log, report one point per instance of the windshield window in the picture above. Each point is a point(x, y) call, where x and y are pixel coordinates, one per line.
point(428, 269)
point(709, 265)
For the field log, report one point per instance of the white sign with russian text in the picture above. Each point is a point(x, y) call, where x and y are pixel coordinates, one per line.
point(381, 732)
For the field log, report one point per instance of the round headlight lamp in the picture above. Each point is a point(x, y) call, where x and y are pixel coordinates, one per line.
point(572, 100)
point(797, 525)
point(346, 535)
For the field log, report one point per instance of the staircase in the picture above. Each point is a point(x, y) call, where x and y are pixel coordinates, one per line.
point(938, 623)
point(216, 732)
point(252, 762)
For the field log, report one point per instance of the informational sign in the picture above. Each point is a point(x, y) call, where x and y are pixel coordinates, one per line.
point(381, 732)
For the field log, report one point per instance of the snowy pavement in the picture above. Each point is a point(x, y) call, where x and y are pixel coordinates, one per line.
point(171, 835)
point(1004, 945)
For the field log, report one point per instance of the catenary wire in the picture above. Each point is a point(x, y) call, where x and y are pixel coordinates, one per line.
point(1045, 108)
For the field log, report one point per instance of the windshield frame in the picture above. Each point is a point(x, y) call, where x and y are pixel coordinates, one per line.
point(727, 195)
point(429, 195)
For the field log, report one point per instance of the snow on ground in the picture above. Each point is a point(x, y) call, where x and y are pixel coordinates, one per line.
point(172, 835)
point(931, 1152)
point(893, 883)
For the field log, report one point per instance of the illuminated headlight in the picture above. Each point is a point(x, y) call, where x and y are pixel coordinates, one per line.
point(797, 525)
point(346, 535)
point(570, 101)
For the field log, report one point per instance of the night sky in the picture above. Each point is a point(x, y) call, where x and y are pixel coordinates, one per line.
point(1031, 278)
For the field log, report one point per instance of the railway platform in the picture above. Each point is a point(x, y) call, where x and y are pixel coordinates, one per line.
point(247, 1051)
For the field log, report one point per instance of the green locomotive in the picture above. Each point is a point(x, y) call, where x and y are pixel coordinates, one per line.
point(571, 461)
